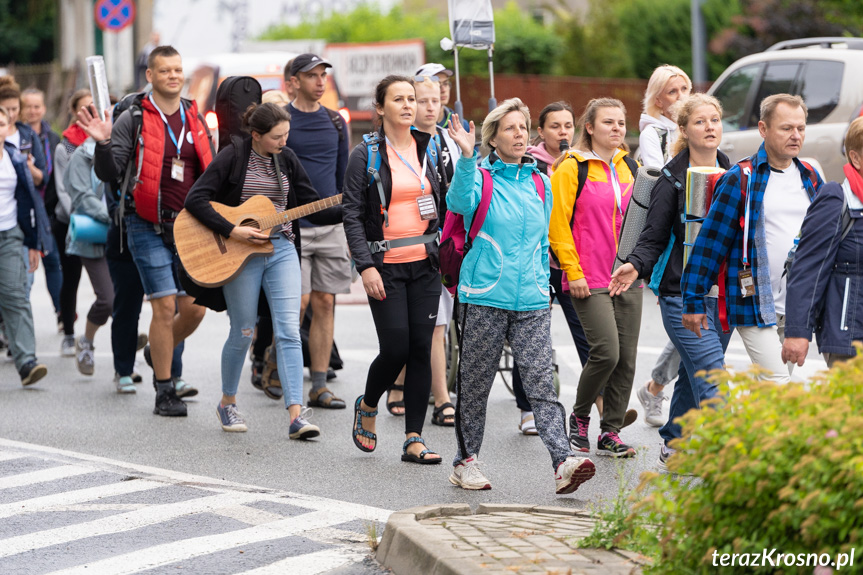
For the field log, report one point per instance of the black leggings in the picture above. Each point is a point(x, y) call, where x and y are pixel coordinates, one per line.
point(405, 323)
point(71, 266)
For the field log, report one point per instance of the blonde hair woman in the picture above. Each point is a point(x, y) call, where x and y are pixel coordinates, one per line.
point(700, 123)
point(504, 287)
point(658, 124)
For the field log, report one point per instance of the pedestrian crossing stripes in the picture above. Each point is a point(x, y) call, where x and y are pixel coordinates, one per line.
point(70, 513)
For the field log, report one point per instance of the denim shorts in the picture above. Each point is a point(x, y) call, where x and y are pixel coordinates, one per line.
point(157, 265)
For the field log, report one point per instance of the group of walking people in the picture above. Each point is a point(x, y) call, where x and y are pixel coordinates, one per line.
point(550, 218)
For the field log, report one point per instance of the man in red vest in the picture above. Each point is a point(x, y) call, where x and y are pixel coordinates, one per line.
point(168, 146)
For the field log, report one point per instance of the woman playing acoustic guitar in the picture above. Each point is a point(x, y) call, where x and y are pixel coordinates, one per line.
point(241, 170)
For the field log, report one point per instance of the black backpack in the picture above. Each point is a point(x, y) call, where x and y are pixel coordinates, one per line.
point(233, 98)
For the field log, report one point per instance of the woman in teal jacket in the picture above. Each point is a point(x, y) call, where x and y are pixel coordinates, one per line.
point(503, 289)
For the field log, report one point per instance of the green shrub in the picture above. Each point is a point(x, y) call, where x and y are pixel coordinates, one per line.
point(772, 467)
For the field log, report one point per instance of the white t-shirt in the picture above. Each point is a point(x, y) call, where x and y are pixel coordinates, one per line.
point(785, 205)
point(8, 203)
point(15, 140)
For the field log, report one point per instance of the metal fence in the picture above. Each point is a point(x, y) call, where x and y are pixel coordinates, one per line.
point(537, 91)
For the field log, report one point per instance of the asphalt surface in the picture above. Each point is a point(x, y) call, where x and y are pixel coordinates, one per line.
point(84, 414)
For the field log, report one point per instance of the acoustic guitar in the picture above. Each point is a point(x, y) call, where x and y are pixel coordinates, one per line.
point(212, 260)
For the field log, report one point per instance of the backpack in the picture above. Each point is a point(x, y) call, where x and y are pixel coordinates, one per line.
point(373, 165)
point(233, 98)
point(131, 102)
point(663, 143)
point(456, 241)
point(338, 122)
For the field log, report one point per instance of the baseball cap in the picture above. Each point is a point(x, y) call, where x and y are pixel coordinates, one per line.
point(433, 69)
point(307, 62)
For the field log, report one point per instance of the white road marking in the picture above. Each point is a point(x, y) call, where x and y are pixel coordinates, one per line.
point(309, 564)
point(59, 472)
point(150, 515)
point(186, 549)
point(70, 498)
point(223, 498)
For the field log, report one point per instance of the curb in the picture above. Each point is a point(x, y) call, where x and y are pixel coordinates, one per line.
point(408, 547)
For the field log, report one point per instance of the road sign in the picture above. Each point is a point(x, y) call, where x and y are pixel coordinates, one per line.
point(114, 15)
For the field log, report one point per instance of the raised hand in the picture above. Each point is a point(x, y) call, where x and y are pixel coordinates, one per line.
point(465, 140)
point(88, 120)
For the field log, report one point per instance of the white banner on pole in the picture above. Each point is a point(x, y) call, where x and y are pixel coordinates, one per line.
point(471, 23)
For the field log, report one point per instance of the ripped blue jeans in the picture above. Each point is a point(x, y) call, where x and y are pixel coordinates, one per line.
point(279, 276)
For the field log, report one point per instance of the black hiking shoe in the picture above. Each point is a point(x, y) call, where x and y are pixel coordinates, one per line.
point(168, 404)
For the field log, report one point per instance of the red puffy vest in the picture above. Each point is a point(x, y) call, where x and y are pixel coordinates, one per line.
point(146, 192)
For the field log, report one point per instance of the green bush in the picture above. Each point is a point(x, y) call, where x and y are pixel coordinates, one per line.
point(772, 467)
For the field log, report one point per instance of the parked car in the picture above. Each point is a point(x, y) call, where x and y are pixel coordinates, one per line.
point(826, 72)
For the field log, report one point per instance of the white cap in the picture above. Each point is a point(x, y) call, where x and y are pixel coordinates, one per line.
point(433, 69)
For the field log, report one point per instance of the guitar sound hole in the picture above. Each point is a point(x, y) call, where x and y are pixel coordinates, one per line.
point(250, 224)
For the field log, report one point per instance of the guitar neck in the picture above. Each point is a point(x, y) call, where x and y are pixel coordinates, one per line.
point(270, 222)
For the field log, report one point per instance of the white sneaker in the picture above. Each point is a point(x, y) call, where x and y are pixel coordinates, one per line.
point(527, 425)
point(652, 405)
point(572, 473)
point(467, 475)
point(67, 346)
point(84, 358)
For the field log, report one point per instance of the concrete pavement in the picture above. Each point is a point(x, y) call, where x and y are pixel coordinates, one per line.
point(496, 540)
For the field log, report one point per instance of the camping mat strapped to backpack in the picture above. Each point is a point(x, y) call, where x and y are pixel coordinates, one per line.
point(636, 213)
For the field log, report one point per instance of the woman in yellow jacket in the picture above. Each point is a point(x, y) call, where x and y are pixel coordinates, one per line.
point(584, 239)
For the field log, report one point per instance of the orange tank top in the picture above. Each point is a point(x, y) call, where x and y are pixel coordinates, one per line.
point(404, 214)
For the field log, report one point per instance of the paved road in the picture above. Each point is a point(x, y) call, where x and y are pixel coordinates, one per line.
point(85, 415)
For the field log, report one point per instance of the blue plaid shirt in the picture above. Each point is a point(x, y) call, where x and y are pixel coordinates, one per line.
point(721, 237)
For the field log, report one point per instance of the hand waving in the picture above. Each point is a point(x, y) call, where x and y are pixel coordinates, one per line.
point(88, 120)
point(465, 140)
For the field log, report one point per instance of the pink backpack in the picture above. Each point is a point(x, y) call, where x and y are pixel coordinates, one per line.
point(455, 241)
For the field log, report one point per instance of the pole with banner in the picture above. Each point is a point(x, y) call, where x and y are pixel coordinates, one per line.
point(471, 24)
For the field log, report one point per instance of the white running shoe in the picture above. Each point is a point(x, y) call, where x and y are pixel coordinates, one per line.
point(467, 475)
point(572, 473)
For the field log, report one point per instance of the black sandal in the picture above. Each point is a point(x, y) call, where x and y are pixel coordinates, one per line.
point(393, 404)
point(421, 458)
point(444, 419)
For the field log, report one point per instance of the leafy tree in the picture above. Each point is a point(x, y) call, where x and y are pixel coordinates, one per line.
point(27, 31)
point(523, 45)
point(763, 23)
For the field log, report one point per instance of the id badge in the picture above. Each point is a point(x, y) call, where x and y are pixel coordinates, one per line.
point(427, 207)
point(747, 286)
point(177, 168)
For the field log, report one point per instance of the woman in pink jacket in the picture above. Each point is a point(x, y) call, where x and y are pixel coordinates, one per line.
point(584, 238)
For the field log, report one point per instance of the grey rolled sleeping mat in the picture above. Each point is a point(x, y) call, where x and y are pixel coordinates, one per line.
point(636, 213)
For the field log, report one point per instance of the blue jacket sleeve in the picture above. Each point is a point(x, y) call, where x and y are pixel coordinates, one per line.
point(465, 190)
point(813, 261)
point(714, 242)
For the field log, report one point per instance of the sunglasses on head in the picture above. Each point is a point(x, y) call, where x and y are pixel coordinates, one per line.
point(424, 78)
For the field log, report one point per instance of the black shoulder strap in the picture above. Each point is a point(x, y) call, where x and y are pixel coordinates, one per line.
point(336, 119)
point(583, 168)
point(632, 165)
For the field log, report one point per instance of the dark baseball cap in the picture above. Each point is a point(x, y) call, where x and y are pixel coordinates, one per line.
point(307, 62)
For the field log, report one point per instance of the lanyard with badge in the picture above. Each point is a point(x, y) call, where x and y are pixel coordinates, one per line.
point(744, 277)
point(615, 183)
point(177, 165)
point(425, 203)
